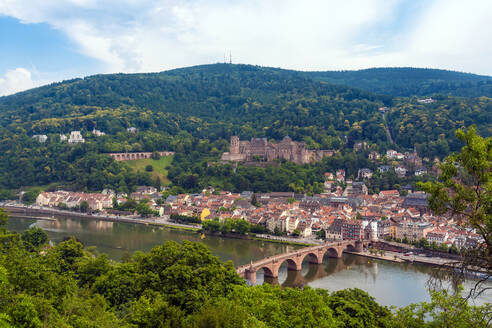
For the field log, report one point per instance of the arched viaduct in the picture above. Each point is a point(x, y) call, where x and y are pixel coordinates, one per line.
point(138, 155)
point(315, 254)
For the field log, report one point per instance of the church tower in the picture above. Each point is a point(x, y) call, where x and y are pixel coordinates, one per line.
point(234, 149)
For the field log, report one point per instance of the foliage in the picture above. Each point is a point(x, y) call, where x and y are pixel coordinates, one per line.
point(464, 190)
point(144, 209)
point(34, 237)
point(84, 207)
point(30, 195)
point(238, 226)
point(194, 111)
point(6, 194)
point(184, 218)
point(3, 217)
point(183, 285)
point(429, 127)
point(444, 310)
point(408, 81)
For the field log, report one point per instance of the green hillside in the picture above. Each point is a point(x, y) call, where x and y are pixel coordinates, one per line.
point(408, 81)
point(194, 111)
point(159, 167)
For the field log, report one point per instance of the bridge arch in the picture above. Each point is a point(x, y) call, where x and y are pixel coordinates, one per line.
point(350, 247)
point(332, 252)
point(267, 271)
point(293, 263)
point(313, 257)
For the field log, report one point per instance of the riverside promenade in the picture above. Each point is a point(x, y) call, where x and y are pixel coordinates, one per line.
point(47, 213)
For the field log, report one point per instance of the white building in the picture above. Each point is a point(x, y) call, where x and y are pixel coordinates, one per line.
point(426, 101)
point(63, 137)
point(75, 137)
point(98, 133)
point(40, 137)
point(370, 230)
point(400, 171)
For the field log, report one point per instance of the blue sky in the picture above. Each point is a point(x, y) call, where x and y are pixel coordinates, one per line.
point(42, 41)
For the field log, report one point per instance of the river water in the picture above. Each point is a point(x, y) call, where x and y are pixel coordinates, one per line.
point(390, 283)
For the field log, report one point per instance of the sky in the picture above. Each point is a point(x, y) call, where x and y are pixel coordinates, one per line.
point(43, 41)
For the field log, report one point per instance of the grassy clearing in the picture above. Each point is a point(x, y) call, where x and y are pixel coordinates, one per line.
point(158, 165)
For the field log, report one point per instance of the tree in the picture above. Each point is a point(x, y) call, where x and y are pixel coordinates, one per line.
point(157, 184)
point(149, 168)
point(6, 194)
point(240, 226)
point(444, 310)
point(84, 207)
point(464, 190)
point(30, 195)
point(254, 201)
point(3, 217)
point(143, 209)
point(69, 251)
point(24, 313)
point(34, 237)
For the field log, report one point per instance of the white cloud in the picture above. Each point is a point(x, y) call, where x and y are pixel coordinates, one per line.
point(133, 36)
point(16, 80)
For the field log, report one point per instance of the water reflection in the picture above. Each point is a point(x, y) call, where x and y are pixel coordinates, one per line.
point(116, 239)
point(390, 283)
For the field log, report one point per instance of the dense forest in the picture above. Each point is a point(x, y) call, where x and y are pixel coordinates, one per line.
point(182, 285)
point(408, 81)
point(194, 111)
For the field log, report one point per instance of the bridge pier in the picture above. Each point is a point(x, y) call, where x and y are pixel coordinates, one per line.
point(251, 276)
point(359, 246)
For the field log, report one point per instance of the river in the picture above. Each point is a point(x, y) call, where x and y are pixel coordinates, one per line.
point(390, 283)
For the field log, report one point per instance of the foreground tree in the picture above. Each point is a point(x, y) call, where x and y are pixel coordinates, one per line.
point(444, 310)
point(34, 237)
point(464, 190)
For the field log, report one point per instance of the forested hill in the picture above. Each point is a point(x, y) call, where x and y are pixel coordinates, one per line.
point(194, 111)
point(200, 90)
point(210, 101)
point(407, 81)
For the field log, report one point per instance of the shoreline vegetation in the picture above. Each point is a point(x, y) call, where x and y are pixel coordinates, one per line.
point(183, 285)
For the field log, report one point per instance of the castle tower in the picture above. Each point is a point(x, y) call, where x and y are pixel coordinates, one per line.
point(234, 148)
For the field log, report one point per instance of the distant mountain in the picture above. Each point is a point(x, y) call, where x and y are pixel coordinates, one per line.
point(407, 82)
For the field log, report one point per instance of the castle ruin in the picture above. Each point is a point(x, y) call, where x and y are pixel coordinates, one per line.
point(293, 151)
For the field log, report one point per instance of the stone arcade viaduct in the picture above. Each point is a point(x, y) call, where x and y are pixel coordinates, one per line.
point(271, 265)
point(139, 155)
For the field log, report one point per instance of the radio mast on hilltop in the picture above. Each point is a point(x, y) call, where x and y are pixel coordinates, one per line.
point(230, 57)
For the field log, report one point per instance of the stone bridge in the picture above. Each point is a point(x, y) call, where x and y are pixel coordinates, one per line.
point(139, 155)
point(315, 254)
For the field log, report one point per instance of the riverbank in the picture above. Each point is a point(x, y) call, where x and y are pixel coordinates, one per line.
point(42, 213)
point(378, 257)
point(402, 258)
